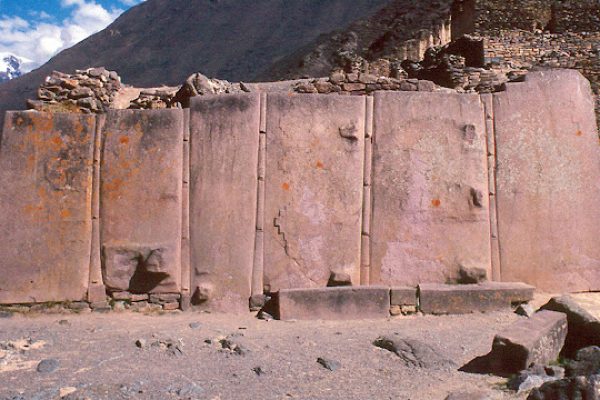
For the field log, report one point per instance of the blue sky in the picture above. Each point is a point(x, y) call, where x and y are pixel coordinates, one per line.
point(36, 30)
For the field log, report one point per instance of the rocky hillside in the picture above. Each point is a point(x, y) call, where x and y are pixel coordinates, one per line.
point(381, 35)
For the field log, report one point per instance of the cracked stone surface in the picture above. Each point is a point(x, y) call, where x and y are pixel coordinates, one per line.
point(315, 152)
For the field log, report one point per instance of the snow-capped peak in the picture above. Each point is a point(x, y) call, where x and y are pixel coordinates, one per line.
point(10, 66)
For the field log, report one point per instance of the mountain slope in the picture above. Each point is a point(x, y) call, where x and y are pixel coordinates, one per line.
point(164, 41)
point(375, 36)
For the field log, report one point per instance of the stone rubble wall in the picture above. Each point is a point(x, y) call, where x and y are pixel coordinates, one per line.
point(254, 192)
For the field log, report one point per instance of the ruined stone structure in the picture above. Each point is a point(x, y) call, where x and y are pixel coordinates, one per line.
point(534, 34)
point(257, 192)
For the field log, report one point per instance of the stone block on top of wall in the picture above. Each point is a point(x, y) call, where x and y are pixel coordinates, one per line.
point(536, 340)
point(140, 198)
point(224, 146)
point(45, 206)
point(313, 190)
point(334, 303)
point(440, 299)
point(548, 182)
point(430, 186)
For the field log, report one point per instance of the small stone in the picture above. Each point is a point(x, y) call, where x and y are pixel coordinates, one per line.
point(79, 306)
point(352, 77)
point(139, 297)
point(244, 87)
point(64, 392)
point(408, 310)
point(195, 325)
point(228, 344)
point(525, 310)
point(337, 77)
point(81, 93)
point(139, 306)
point(395, 311)
point(121, 295)
point(265, 316)
point(585, 362)
point(47, 366)
point(140, 343)
point(119, 306)
point(258, 371)
point(367, 78)
point(414, 353)
point(329, 364)
point(425, 86)
point(171, 306)
point(64, 322)
point(354, 87)
point(100, 306)
point(339, 279)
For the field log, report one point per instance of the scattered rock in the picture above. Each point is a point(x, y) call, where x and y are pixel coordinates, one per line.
point(236, 348)
point(195, 325)
point(534, 377)
point(339, 279)
point(47, 366)
point(581, 387)
point(258, 371)
point(65, 391)
point(140, 343)
point(191, 390)
point(586, 362)
point(414, 353)
point(584, 328)
point(64, 322)
point(329, 364)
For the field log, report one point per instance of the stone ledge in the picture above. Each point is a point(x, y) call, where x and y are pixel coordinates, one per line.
point(464, 299)
point(335, 303)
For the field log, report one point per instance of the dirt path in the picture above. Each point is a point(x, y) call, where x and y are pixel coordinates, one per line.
point(98, 357)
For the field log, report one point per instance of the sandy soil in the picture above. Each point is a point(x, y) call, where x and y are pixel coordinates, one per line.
point(181, 357)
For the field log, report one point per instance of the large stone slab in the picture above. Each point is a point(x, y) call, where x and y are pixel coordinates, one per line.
point(548, 182)
point(313, 189)
point(430, 188)
point(437, 298)
point(140, 198)
point(583, 315)
point(334, 303)
point(223, 199)
point(45, 206)
point(536, 340)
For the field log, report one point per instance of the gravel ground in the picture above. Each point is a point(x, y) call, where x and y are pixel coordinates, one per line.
point(181, 356)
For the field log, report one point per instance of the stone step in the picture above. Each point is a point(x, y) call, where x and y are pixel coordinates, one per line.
point(538, 340)
point(463, 299)
point(334, 303)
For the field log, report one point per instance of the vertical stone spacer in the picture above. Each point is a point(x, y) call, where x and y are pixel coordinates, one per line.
point(256, 299)
point(365, 267)
point(488, 103)
point(96, 288)
point(186, 277)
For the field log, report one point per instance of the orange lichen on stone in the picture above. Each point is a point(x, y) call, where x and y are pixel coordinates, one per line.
point(124, 140)
point(320, 165)
point(579, 133)
point(436, 203)
point(65, 214)
point(286, 186)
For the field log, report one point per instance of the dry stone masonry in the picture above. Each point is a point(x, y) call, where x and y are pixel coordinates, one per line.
point(249, 195)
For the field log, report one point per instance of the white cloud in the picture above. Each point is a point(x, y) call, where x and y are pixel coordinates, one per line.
point(41, 39)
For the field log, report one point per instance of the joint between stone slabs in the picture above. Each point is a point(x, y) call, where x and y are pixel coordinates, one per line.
point(263, 113)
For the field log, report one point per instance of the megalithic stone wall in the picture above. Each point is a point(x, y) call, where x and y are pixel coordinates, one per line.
point(548, 182)
point(252, 192)
point(313, 190)
point(224, 142)
point(45, 207)
point(140, 201)
point(430, 186)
